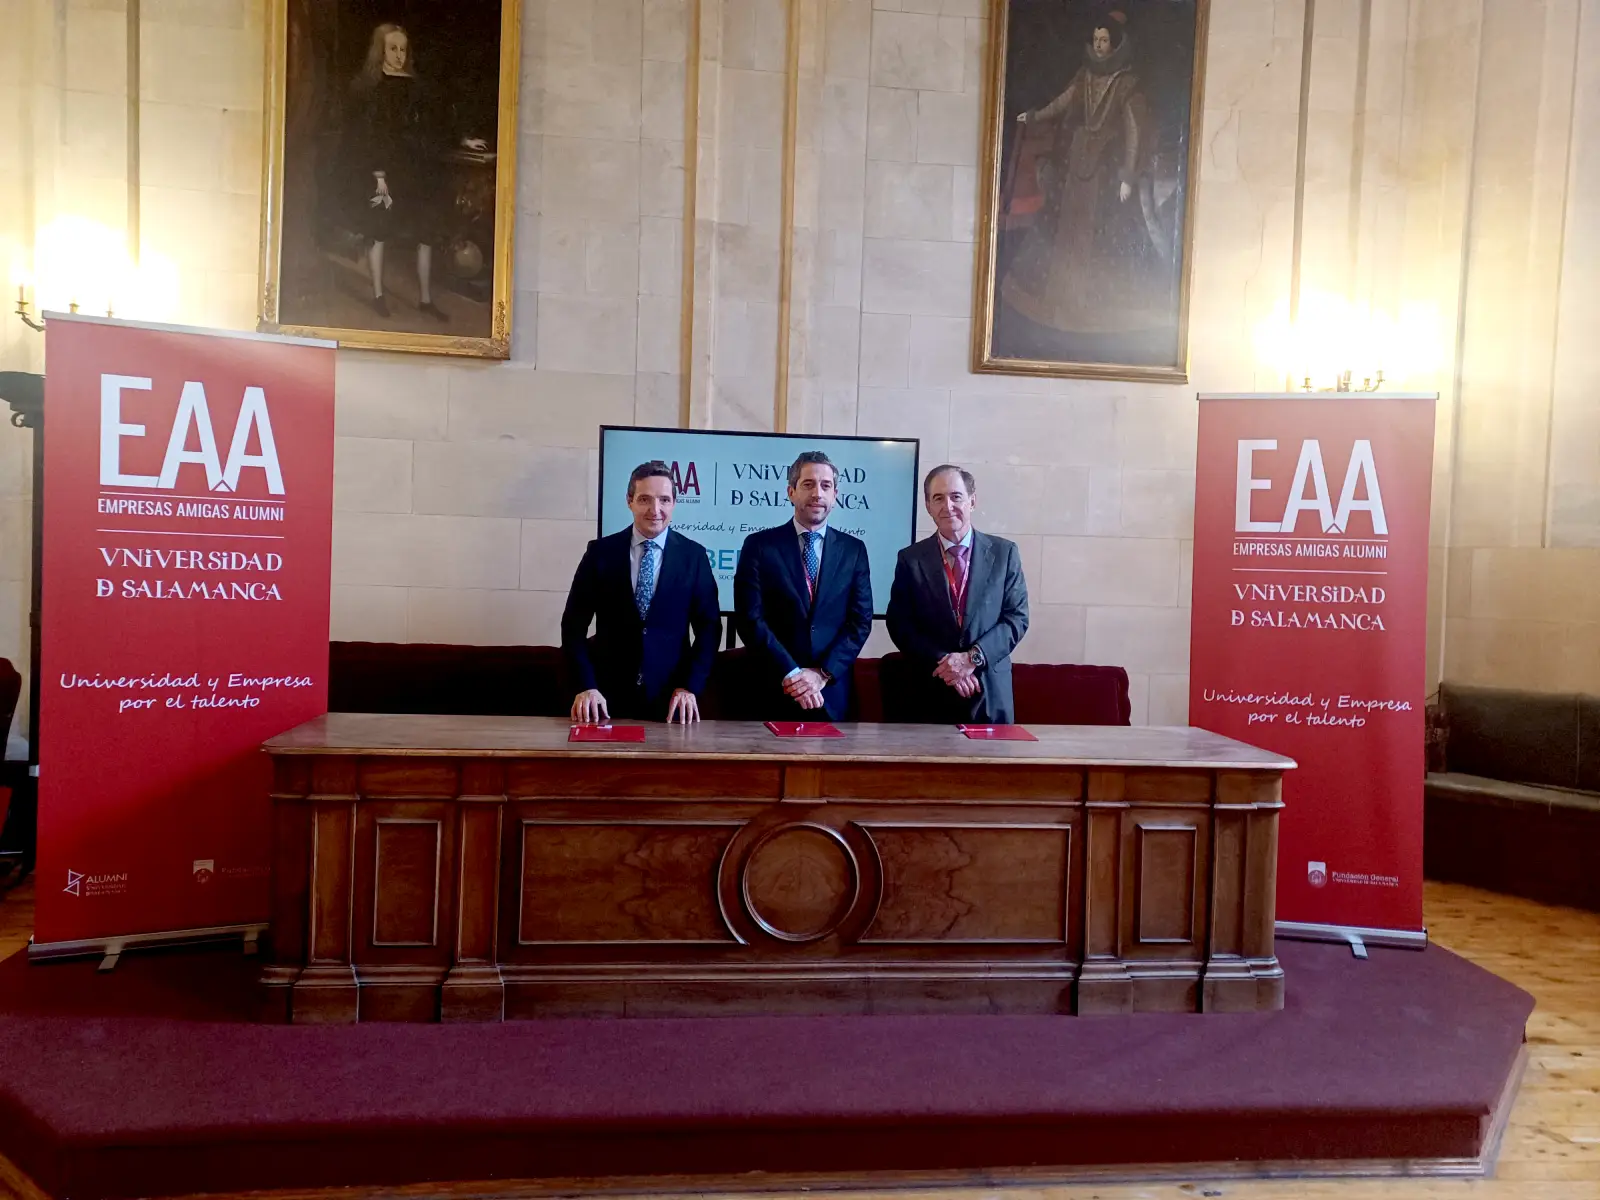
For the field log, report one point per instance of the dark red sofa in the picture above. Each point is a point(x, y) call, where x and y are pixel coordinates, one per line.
point(532, 681)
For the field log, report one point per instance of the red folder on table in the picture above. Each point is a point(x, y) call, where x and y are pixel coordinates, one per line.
point(804, 729)
point(997, 733)
point(606, 733)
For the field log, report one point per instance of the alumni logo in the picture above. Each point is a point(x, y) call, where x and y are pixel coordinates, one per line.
point(1309, 493)
point(85, 883)
point(191, 422)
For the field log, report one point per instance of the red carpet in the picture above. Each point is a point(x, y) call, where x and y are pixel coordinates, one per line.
point(154, 1080)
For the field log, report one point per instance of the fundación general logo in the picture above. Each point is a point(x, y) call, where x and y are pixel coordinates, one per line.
point(1317, 874)
point(204, 869)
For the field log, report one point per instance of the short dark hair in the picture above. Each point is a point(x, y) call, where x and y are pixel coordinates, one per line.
point(812, 456)
point(649, 470)
point(967, 480)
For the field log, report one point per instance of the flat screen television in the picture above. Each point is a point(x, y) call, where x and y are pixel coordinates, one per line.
point(732, 484)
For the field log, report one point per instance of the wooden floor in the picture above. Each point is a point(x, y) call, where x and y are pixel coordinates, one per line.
point(1552, 1146)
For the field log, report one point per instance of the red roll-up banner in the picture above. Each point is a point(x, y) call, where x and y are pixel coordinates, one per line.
point(188, 499)
point(1308, 634)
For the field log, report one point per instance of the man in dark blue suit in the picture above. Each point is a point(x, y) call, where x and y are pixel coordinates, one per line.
point(802, 597)
point(646, 589)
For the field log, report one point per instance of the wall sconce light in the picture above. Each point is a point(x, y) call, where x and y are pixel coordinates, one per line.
point(24, 309)
point(1342, 383)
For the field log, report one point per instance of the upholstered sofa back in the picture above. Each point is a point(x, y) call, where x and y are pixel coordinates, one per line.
point(532, 681)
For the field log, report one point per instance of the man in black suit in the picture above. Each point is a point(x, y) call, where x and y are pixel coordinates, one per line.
point(958, 607)
point(646, 588)
point(802, 597)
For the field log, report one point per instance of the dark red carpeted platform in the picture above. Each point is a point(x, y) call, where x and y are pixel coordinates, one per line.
point(152, 1080)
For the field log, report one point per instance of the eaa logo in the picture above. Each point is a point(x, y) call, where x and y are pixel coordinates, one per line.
point(204, 870)
point(74, 883)
point(1311, 475)
point(193, 419)
point(685, 481)
point(1317, 874)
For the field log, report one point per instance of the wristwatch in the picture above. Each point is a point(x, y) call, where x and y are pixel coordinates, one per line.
point(976, 655)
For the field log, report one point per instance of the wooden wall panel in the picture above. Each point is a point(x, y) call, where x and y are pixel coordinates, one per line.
point(333, 844)
point(407, 862)
point(1165, 910)
point(477, 886)
point(409, 778)
point(404, 885)
point(642, 881)
point(973, 883)
point(560, 778)
point(914, 784)
point(1167, 787)
point(1227, 883)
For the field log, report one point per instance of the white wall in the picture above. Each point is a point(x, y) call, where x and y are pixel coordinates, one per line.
point(1443, 166)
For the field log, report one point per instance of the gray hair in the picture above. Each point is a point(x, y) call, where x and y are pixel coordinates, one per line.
point(967, 480)
point(812, 456)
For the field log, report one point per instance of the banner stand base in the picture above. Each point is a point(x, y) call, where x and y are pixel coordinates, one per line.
point(110, 948)
point(1358, 937)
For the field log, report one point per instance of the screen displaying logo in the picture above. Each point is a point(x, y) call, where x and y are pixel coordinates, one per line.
point(1317, 874)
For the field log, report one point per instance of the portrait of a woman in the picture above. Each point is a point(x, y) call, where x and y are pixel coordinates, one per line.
point(1090, 204)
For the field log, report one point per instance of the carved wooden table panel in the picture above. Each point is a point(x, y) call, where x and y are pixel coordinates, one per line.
point(485, 868)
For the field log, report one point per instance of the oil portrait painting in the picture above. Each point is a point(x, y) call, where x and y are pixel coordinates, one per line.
point(1087, 215)
point(390, 178)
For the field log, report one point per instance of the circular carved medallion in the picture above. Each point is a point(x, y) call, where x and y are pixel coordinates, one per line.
point(799, 882)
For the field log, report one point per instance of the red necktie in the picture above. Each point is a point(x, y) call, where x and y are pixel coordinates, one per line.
point(955, 570)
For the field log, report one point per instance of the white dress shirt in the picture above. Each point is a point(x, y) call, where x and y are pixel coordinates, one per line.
point(637, 554)
point(966, 540)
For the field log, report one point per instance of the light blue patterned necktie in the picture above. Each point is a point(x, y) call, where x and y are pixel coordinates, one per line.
point(646, 587)
point(813, 563)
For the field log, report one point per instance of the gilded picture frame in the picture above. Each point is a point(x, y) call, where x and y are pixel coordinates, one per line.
point(1087, 211)
point(389, 174)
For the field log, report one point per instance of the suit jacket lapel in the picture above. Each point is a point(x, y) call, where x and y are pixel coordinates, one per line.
point(671, 562)
point(828, 568)
point(931, 563)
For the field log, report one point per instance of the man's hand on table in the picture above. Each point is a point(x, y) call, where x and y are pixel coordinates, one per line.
point(684, 707)
point(589, 707)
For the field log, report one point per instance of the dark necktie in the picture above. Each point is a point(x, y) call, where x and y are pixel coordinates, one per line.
point(813, 560)
point(646, 587)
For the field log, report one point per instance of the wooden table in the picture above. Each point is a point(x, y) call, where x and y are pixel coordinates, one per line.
point(483, 868)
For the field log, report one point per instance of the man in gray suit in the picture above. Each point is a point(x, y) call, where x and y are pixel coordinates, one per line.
point(958, 607)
